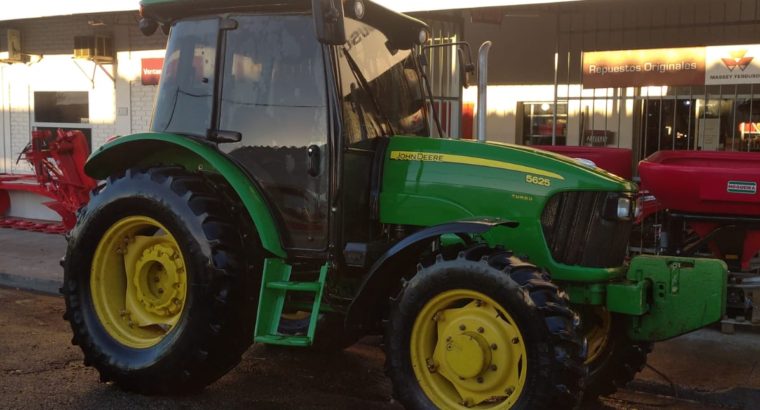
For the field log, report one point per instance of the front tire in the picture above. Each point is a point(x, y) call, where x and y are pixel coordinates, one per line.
point(485, 330)
point(613, 358)
point(159, 294)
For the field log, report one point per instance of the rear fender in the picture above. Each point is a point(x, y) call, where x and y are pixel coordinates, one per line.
point(151, 149)
point(387, 272)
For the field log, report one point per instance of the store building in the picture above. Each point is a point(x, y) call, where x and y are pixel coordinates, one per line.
point(79, 71)
point(639, 74)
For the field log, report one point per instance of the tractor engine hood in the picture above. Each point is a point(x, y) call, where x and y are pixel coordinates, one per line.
point(566, 211)
point(427, 181)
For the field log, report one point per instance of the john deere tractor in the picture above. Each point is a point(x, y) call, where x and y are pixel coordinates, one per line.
point(291, 193)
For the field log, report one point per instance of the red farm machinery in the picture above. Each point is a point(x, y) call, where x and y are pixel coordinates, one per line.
point(696, 203)
point(58, 163)
point(700, 203)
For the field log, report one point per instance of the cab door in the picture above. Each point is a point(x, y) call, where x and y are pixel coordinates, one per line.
point(273, 92)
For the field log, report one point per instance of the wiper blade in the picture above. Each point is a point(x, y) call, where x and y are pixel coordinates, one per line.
point(365, 85)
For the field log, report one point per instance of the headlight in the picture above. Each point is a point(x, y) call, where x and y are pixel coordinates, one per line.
point(619, 207)
point(624, 208)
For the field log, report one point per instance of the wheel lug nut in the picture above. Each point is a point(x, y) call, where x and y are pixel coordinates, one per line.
point(160, 290)
point(480, 379)
point(462, 327)
point(448, 339)
point(515, 340)
point(481, 330)
point(494, 347)
point(493, 367)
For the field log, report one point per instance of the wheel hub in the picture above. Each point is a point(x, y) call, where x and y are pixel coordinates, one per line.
point(138, 281)
point(157, 282)
point(467, 354)
point(476, 355)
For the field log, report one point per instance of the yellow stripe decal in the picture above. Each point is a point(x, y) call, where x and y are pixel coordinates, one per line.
point(465, 160)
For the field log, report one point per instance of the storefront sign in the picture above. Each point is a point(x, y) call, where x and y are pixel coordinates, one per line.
point(733, 65)
point(151, 70)
point(638, 68)
point(719, 65)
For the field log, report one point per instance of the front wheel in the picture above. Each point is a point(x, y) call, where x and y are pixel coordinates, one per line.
point(613, 358)
point(483, 330)
point(158, 292)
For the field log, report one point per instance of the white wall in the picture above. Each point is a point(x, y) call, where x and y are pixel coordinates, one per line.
point(118, 102)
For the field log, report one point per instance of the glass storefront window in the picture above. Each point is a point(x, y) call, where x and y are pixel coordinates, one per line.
point(538, 120)
point(69, 107)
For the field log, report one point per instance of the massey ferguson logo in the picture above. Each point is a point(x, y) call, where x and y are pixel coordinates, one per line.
point(742, 187)
point(737, 59)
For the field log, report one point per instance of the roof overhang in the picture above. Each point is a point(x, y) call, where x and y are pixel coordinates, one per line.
point(48, 8)
point(406, 6)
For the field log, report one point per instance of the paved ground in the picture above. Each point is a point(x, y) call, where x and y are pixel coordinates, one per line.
point(30, 260)
point(39, 368)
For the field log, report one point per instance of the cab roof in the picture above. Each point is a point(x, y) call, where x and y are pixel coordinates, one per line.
point(169, 10)
point(401, 29)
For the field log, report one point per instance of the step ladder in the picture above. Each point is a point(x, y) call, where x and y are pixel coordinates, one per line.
point(274, 287)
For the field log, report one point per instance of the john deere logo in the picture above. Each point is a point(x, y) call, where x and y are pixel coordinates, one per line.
point(742, 187)
point(738, 59)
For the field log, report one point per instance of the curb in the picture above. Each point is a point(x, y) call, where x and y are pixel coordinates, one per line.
point(48, 286)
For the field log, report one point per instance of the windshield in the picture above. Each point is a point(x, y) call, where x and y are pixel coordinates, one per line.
point(186, 94)
point(381, 88)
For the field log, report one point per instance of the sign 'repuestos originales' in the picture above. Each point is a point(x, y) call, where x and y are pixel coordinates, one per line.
point(672, 67)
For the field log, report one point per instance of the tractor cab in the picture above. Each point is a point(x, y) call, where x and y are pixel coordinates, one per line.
point(234, 78)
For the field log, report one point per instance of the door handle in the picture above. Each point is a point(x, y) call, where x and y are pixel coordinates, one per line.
point(313, 153)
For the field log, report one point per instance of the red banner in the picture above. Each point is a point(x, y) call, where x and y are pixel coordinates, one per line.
point(638, 68)
point(151, 70)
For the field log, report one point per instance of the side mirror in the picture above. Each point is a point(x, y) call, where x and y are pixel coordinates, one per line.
point(328, 20)
point(148, 26)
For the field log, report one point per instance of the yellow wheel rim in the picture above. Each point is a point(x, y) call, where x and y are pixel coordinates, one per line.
point(138, 281)
point(598, 332)
point(467, 352)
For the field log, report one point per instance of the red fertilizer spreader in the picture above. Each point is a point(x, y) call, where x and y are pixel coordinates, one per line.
point(614, 160)
point(708, 204)
point(715, 194)
point(59, 176)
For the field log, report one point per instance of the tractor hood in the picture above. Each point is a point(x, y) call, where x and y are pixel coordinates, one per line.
point(429, 181)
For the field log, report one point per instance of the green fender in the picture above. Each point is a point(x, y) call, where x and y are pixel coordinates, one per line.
point(160, 148)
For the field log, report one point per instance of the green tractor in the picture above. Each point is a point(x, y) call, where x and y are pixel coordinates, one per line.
point(290, 193)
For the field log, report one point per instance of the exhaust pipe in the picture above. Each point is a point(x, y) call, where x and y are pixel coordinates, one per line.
point(482, 89)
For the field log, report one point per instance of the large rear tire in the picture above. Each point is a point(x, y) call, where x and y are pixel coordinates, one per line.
point(483, 330)
point(160, 289)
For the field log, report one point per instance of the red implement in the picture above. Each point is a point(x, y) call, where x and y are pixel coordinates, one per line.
point(613, 160)
point(58, 175)
point(714, 193)
point(702, 182)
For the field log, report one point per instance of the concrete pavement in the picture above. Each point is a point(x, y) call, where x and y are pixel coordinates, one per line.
point(706, 366)
point(30, 260)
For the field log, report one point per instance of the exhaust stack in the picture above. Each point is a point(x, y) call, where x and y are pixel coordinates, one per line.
point(482, 89)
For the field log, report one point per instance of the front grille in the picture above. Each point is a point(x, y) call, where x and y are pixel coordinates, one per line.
point(578, 234)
